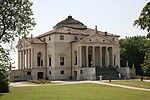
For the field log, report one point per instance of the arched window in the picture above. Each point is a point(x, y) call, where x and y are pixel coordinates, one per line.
point(38, 58)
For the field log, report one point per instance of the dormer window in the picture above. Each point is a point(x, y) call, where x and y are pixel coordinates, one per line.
point(113, 39)
point(49, 38)
point(61, 37)
point(75, 38)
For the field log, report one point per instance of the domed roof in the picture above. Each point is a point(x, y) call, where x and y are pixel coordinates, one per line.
point(71, 23)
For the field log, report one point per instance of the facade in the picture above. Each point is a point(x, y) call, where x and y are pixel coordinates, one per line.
point(69, 51)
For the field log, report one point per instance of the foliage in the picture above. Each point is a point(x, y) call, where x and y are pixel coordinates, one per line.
point(40, 81)
point(132, 50)
point(4, 66)
point(3, 81)
point(4, 59)
point(144, 23)
point(15, 19)
point(146, 64)
point(144, 19)
point(148, 35)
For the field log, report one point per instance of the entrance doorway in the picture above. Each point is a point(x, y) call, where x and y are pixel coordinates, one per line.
point(40, 75)
point(90, 60)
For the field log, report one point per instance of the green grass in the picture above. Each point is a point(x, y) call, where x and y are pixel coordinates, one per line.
point(74, 92)
point(135, 83)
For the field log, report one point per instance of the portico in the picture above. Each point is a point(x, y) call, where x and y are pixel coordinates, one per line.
point(24, 59)
point(96, 56)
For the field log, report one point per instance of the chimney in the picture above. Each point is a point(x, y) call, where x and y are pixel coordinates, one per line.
point(96, 29)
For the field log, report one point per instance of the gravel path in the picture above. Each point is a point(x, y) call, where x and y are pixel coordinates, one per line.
point(22, 84)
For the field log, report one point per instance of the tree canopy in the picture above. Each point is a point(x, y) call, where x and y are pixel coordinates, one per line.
point(15, 19)
point(132, 50)
point(136, 50)
point(144, 19)
point(146, 64)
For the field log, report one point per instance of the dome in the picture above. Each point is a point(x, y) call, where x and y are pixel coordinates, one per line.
point(71, 23)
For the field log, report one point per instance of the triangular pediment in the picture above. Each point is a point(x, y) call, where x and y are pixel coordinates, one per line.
point(96, 38)
point(23, 42)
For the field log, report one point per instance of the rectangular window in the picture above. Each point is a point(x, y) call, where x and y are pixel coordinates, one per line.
point(75, 57)
point(49, 38)
point(81, 71)
point(61, 37)
point(38, 61)
point(61, 60)
point(75, 38)
point(41, 62)
point(49, 72)
point(49, 61)
point(28, 73)
point(61, 72)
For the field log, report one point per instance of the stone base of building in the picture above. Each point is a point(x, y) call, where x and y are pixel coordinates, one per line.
point(87, 73)
point(77, 73)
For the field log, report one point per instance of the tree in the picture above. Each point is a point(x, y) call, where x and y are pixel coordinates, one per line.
point(4, 65)
point(144, 23)
point(146, 64)
point(132, 50)
point(123, 50)
point(144, 19)
point(148, 35)
point(15, 21)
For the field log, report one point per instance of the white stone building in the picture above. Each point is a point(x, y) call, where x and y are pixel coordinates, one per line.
point(69, 51)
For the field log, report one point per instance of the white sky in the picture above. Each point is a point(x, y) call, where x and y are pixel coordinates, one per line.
point(114, 16)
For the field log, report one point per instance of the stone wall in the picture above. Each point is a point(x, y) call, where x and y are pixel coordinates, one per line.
point(127, 72)
point(16, 75)
point(88, 73)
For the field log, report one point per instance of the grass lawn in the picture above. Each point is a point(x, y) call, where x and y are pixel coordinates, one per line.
point(135, 83)
point(74, 92)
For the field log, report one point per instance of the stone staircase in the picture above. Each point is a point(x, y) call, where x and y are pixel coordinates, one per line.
point(107, 73)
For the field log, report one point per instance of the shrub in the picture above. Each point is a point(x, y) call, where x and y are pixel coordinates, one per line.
point(39, 81)
point(4, 85)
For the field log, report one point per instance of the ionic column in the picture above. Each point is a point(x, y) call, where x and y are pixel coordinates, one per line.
point(26, 59)
point(19, 60)
point(29, 58)
point(87, 62)
point(112, 57)
point(107, 57)
point(23, 59)
point(80, 53)
point(32, 58)
point(93, 56)
point(100, 52)
point(78, 60)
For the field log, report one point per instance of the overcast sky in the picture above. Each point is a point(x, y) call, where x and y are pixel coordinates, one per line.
point(114, 16)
